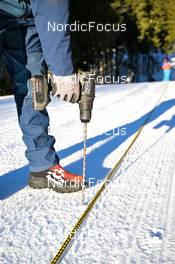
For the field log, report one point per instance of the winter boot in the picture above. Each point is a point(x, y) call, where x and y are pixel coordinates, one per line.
point(56, 178)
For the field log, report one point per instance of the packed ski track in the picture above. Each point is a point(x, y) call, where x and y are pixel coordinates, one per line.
point(133, 222)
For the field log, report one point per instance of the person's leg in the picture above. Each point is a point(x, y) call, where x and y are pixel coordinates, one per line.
point(56, 44)
point(167, 74)
point(46, 175)
point(24, 58)
point(45, 170)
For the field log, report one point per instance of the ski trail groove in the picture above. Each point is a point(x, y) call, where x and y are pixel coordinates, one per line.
point(168, 246)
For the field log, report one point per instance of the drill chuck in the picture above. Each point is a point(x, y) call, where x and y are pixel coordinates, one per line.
point(87, 98)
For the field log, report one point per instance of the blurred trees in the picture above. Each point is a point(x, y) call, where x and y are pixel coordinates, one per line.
point(5, 87)
point(150, 25)
point(155, 20)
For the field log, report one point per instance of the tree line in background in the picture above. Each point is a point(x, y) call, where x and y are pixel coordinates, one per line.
point(150, 28)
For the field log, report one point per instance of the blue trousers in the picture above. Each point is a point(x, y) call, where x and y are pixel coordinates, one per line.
point(24, 51)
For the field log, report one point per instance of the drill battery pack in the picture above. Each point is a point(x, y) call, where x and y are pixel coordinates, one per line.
point(40, 92)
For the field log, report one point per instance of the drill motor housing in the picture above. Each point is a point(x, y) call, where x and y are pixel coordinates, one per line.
point(87, 97)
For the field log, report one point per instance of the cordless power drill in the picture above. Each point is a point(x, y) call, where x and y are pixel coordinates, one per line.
point(41, 88)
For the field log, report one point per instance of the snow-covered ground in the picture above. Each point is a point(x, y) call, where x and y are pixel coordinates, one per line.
point(133, 221)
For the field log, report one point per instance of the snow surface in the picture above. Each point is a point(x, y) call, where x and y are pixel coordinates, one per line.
point(133, 221)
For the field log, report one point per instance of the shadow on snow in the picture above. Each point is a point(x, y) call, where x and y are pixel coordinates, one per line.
point(14, 181)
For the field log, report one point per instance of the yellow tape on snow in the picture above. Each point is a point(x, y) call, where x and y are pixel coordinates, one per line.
point(98, 193)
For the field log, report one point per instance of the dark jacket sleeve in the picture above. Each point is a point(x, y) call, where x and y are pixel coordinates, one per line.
point(55, 44)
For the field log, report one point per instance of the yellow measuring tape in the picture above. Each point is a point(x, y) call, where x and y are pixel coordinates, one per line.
point(98, 193)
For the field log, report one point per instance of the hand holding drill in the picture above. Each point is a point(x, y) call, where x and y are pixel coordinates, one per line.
point(72, 88)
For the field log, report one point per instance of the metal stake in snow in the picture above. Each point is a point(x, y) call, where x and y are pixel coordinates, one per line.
point(84, 160)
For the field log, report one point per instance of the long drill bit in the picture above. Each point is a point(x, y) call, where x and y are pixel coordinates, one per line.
point(84, 160)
